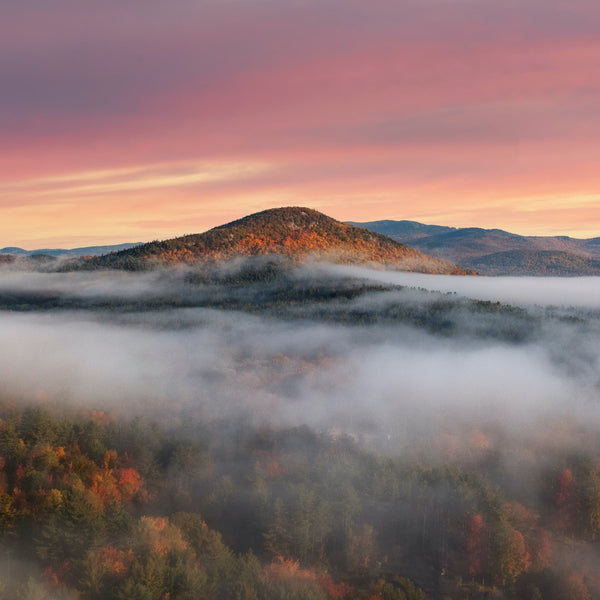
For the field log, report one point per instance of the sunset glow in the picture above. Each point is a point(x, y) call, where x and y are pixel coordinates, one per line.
point(125, 121)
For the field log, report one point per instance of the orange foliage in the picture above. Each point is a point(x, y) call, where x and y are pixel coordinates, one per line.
point(114, 561)
point(337, 591)
point(103, 486)
point(100, 417)
point(55, 577)
point(111, 486)
point(160, 535)
point(284, 567)
point(130, 483)
point(524, 561)
point(288, 568)
point(269, 465)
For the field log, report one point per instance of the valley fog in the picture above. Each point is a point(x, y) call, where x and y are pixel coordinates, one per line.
point(303, 369)
point(582, 292)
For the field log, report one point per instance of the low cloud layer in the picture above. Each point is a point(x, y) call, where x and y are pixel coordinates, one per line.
point(388, 382)
point(583, 292)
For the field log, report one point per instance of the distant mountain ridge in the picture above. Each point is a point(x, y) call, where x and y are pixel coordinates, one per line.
point(293, 232)
point(296, 232)
point(497, 252)
point(537, 262)
point(73, 252)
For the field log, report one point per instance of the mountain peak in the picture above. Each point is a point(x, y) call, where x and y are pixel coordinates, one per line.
point(293, 216)
point(294, 232)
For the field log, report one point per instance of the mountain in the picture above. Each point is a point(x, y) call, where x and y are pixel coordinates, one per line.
point(73, 252)
point(13, 251)
point(407, 230)
point(538, 262)
point(497, 252)
point(294, 232)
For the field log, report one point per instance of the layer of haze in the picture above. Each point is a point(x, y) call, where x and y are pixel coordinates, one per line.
point(583, 292)
point(133, 121)
point(392, 382)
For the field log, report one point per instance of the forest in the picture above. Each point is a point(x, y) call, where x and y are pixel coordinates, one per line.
point(264, 430)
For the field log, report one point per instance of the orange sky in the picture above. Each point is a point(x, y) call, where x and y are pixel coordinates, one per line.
point(132, 121)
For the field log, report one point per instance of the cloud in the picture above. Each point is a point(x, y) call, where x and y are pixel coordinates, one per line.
point(387, 381)
point(149, 177)
point(581, 292)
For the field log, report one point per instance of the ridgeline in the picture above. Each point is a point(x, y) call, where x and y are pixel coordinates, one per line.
point(293, 232)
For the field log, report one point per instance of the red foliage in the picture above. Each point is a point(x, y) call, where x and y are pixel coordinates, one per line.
point(475, 544)
point(336, 590)
point(56, 577)
point(274, 469)
point(564, 498)
point(564, 487)
point(541, 551)
point(130, 482)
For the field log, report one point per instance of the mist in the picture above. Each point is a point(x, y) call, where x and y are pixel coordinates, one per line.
point(302, 369)
point(583, 292)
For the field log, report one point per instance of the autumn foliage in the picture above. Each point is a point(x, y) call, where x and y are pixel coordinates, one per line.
point(292, 232)
point(297, 515)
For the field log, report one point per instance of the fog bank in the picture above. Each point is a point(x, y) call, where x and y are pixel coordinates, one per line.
point(392, 381)
point(544, 291)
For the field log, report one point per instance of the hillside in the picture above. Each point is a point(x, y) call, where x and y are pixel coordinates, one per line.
point(294, 232)
point(540, 262)
point(497, 252)
point(409, 231)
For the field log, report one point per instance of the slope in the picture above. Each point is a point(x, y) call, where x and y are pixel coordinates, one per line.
point(294, 232)
point(537, 262)
point(494, 251)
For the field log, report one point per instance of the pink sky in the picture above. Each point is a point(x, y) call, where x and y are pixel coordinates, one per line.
point(131, 121)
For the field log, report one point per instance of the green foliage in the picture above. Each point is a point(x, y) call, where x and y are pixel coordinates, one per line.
point(398, 588)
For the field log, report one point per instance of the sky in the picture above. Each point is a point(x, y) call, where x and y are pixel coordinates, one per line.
point(132, 121)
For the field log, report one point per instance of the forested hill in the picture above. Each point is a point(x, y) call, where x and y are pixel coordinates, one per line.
point(293, 232)
point(537, 262)
point(497, 252)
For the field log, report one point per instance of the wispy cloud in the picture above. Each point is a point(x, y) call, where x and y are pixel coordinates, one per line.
point(134, 178)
